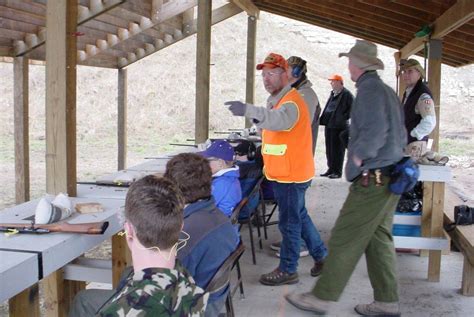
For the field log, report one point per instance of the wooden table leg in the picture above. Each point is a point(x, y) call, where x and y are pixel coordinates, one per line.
point(121, 257)
point(434, 261)
point(53, 286)
point(25, 303)
point(426, 213)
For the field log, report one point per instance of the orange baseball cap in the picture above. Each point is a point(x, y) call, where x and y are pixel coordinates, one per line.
point(336, 77)
point(273, 60)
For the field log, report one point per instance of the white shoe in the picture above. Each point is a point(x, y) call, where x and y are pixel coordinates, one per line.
point(378, 309)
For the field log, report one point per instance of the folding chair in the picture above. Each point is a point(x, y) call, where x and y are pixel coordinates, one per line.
point(265, 200)
point(252, 213)
point(221, 279)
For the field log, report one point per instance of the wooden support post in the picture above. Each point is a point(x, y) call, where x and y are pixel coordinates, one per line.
point(121, 258)
point(436, 231)
point(25, 303)
point(400, 83)
point(467, 286)
point(22, 156)
point(434, 83)
point(203, 59)
point(251, 63)
point(61, 22)
point(54, 286)
point(426, 212)
point(122, 119)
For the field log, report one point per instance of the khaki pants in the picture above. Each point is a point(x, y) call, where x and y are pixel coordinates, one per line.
point(364, 225)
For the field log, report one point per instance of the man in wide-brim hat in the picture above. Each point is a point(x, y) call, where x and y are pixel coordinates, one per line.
point(364, 225)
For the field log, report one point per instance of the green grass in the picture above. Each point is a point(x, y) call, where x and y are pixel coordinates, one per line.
point(456, 147)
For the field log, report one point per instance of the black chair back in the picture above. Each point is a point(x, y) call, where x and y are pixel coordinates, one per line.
point(221, 279)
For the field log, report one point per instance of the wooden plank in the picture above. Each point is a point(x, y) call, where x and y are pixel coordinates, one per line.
point(248, 6)
point(122, 119)
point(334, 25)
point(461, 12)
point(251, 63)
point(400, 9)
point(86, 16)
point(436, 230)
point(218, 15)
point(203, 60)
point(71, 288)
point(355, 13)
point(426, 212)
point(25, 303)
point(434, 83)
point(136, 24)
point(467, 284)
point(22, 156)
point(20, 16)
point(121, 258)
point(53, 288)
point(61, 98)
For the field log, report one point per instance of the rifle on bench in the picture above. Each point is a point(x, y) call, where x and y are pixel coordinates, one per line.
point(88, 228)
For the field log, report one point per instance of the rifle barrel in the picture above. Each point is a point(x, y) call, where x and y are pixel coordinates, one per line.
point(88, 228)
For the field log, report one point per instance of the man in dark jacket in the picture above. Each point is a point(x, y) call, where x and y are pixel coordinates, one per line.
point(335, 118)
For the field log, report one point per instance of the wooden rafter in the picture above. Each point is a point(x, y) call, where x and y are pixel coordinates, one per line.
point(218, 15)
point(168, 10)
point(84, 14)
point(248, 6)
point(454, 17)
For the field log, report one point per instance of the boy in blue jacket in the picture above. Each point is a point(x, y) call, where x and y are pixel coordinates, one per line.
point(225, 176)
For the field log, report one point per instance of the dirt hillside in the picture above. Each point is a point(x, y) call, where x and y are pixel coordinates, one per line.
point(162, 90)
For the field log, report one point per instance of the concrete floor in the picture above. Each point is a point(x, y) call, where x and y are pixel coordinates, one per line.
point(418, 297)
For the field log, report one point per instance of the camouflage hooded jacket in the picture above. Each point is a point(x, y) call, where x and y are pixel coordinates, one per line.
point(157, 292)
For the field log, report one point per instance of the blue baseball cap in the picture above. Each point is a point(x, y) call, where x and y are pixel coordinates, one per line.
point(219, 149)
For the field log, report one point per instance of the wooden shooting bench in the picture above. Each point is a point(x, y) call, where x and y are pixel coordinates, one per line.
point(463, 239)
point(433, 241)
point(30, 258)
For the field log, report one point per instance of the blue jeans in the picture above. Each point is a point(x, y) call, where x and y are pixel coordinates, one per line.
point(294, 224)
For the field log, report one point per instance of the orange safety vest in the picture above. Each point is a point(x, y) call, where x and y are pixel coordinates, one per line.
point(288, 154)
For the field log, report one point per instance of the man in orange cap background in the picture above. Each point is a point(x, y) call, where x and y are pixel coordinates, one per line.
point(288, 161)
point(335, 118)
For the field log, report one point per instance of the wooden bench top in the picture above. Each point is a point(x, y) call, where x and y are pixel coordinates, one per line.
point(463, 236)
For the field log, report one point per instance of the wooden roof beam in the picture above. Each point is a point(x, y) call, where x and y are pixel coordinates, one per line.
point(248, 6)
point(218, 15)
point(168, 10)
point(461, 12)
point(84, 14)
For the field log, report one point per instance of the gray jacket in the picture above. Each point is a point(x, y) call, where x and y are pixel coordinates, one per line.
point(285, 116)
point(377, 132)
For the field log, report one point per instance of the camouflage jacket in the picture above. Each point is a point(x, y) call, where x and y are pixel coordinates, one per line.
point(157, 292)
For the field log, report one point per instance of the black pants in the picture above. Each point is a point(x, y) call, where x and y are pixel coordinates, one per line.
point(334, 149)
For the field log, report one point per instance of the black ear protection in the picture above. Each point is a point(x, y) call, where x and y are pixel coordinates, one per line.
point(251, 151)
point(298, 68)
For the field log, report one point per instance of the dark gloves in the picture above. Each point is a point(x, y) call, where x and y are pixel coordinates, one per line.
point(237, 108)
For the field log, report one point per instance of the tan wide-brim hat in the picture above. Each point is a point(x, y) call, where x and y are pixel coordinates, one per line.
point(412, 63)
point(364, 55)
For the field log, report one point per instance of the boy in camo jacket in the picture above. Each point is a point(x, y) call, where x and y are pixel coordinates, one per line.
point(158, 285)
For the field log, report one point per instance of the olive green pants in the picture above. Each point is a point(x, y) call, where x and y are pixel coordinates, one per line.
point(364, 225)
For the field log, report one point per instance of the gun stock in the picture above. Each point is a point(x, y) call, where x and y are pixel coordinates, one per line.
point(88, 228)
